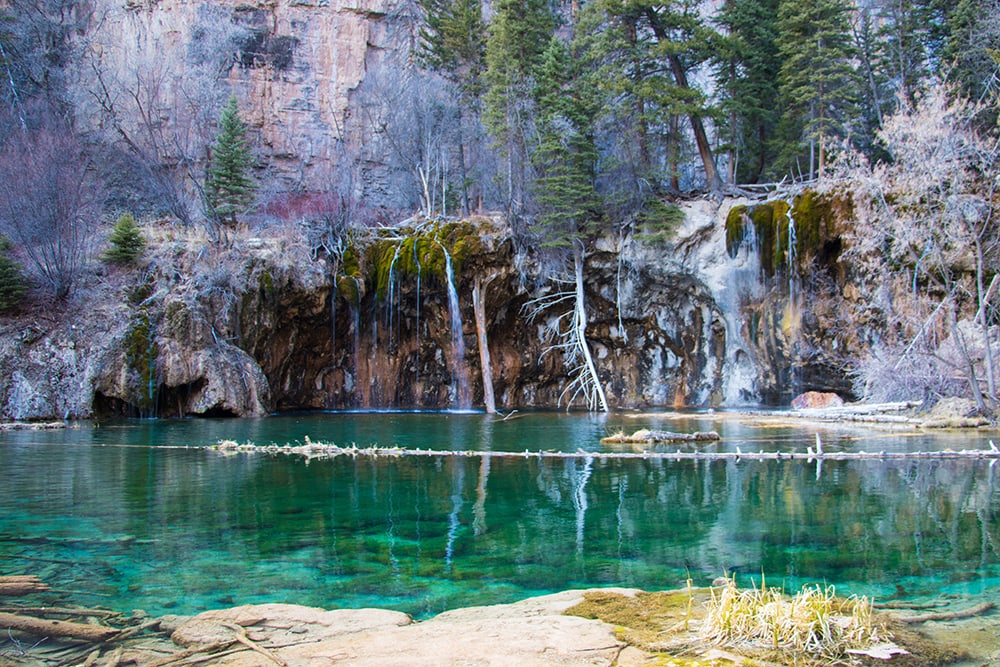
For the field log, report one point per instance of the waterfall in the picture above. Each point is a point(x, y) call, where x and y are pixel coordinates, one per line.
point(416, 364)
point(391, 295)
point(735, 281)
point(461, 395)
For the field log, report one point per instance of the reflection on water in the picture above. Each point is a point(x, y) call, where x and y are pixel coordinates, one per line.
point(177, 530)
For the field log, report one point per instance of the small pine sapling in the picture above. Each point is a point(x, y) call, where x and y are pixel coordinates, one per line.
point(127, 242)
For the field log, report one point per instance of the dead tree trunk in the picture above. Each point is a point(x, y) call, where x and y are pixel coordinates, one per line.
point(484, 351)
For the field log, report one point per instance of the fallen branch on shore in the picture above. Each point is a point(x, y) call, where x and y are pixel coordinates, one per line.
point(645, 436)
point(322, 450)
point(969, 612)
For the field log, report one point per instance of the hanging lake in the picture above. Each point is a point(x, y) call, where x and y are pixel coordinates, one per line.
point(140, 514)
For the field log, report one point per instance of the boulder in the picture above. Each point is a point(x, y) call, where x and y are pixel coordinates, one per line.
point(814, 400)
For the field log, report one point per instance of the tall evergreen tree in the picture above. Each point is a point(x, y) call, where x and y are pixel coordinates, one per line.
point(910, 42)
point(453, 42)
point(568, 206)
point(518, 34)
point(229, 187)
point(649, 52)
point(565, 155)
point(748, 74)
point(817, 81)
point(973, 32)
point(13, 284)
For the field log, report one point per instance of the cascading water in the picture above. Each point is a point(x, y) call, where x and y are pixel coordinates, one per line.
point(461, 395)
point(735, 281)
point(416, 365)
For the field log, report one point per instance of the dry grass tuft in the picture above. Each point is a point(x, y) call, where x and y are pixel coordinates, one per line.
point(814, 621)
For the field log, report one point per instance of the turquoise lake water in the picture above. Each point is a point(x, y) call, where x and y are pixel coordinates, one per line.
point(139, 515)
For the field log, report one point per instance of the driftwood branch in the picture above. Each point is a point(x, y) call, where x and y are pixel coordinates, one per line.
point(969, 612)
point(50, 628)
point(241, 637)
point(194, 650)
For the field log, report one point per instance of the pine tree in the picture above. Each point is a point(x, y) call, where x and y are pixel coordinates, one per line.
point(453, 42)
point(972, 31)
point(565, 156)
point(748, 74)
point(649, 52)
point(229, 187)
point(518, 34)
point(816, 82)
point(127, 241)
point(12, 282)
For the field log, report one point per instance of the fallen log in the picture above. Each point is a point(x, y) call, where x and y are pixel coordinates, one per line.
point(50, 628)
point(969, 612)
point(17, 585)
point(60, 611)
point(323, 451)
point(645, 436)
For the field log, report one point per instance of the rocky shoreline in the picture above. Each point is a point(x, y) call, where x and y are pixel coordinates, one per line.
point(562, 629)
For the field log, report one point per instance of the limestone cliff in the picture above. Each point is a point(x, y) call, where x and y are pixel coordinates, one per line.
point(267, 325)
point(157, 69)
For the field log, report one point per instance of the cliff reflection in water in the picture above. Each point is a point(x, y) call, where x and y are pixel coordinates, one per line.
point(180, 530)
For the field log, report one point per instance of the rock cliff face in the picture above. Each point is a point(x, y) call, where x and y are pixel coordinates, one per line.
point(165, 66)
point(265, 326)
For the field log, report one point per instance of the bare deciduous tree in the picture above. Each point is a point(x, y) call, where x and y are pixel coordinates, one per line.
point(162, 115)
point(50, 201)
point(928, 214)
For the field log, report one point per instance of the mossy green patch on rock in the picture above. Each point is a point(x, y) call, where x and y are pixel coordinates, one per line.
point(421, 252)
point(642, 620)
point(815, 218)
point(141, 353)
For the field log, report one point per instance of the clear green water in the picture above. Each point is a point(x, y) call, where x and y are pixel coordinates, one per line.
point(137, 515)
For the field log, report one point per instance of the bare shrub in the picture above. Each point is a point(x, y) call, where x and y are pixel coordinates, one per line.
point(50, 201)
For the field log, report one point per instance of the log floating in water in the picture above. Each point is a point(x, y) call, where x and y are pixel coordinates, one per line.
point(320, 450)
point(16, 585)
point(50, 628)
point(645, 436)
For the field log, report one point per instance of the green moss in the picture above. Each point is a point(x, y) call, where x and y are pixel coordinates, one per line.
point(145, 289)
point(266, 282)
point(349, 288)
point(642, 620)
point(421, 252)
point(141, 353)
point(735, 229)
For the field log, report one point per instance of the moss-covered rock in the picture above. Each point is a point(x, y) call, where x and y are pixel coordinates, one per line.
point(800, 233)
point(141, 354)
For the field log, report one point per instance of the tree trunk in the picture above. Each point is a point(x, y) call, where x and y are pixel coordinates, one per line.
point(49, 628)
point(712, 180)
point(580, 320)
point(484, 351)
point(983, 297)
